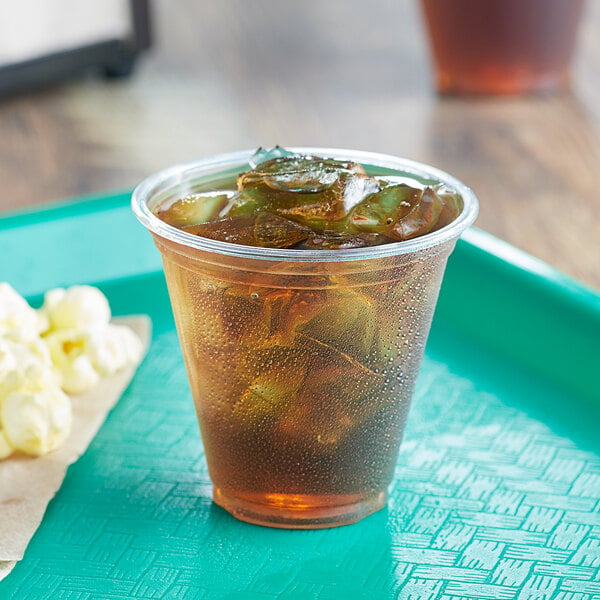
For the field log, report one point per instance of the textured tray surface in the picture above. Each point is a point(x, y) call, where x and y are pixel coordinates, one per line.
point(497, 495)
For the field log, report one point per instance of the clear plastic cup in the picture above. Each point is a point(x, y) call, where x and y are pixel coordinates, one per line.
point(302, 363)
point(502, 46)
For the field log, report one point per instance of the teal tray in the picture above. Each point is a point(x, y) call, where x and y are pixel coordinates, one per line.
point(497, 489)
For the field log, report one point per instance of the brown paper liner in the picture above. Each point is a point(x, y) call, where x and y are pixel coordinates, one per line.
point(27, 484)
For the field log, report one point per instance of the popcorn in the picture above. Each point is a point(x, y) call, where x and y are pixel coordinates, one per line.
point(70, 352)
point(25, 365)
point(8, 362)
point(36, 422)
point(113, 348)
point(78, 307)
point(18, 321)
point(66, 346)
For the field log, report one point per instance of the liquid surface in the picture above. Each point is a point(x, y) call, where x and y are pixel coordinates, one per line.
point(308, 202)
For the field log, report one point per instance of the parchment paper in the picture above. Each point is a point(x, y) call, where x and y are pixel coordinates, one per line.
point(27, 484)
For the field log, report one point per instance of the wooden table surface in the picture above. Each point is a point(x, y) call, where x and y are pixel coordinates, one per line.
point(233, 74)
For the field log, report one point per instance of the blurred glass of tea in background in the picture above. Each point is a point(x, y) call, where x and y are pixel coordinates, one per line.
point(502, 46)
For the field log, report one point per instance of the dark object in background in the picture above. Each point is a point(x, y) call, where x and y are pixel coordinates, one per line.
point(113, 56)
point(502, 46)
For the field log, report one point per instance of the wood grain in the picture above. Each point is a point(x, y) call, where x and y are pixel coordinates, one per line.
point(233, 74)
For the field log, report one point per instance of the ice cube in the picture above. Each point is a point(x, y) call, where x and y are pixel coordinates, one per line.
point(379, 212)
point(195, 209)
point(316, 192)
point(269, 394)
point(270, 379)
point(340, 394)
point(357, 188)
point(300, 174)
point(339, 241)
point(286, 311)
point(421, 219)
point(346, 321)
point(259, 229)
point(451, 205)
point(264, 154)
point(318, 210)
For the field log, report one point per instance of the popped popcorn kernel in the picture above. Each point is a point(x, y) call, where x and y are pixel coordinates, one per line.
point(18, 321)
point(25, 365)
point(70, 352)
point(36, 422)
point(77, 307)
point(113, 348)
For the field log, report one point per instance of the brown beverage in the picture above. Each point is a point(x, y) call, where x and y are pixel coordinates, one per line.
point(502, 46)
point(302, 360)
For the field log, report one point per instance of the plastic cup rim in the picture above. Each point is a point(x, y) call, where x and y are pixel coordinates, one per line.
point(178, 174)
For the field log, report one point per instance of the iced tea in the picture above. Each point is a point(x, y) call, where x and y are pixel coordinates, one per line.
point(303, 327)
point(502, 46)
